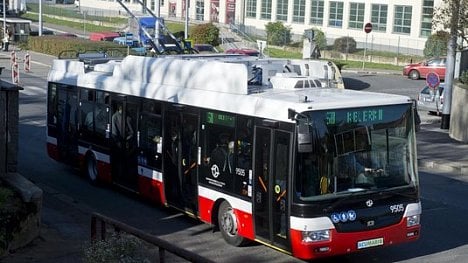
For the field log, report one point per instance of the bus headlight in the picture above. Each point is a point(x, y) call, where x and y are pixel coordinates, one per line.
point(412, 220)
point(315, 236)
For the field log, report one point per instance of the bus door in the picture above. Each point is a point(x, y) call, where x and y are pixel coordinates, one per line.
point(271, 173)
point(67, 141)
point(124, 143)
point(180, 159)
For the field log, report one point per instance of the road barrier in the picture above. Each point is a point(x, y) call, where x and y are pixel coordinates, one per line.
point(27, 62)
point(161, 243)
point(14, 73)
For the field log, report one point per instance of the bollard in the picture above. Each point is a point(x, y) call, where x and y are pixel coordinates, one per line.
point(15, 73)
point(27, 62)
point(12, 58)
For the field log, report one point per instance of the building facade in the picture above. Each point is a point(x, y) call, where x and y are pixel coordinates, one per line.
point(397, 25)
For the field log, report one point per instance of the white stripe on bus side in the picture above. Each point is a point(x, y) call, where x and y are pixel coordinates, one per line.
point(236, 203)
point(311, 224)
point(52, 140)
point(150, 173)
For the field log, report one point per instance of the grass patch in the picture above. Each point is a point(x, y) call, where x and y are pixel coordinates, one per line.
point(86, 27)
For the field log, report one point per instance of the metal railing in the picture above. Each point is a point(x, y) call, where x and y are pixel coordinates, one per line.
point(154, 240)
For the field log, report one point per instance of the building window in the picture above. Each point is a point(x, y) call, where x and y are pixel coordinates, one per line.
point(426, 18)
point(265, 12)
point(379, 17)
point(200, 10)
point(402, 20)
point(356, 15)
point(299, 11)
point(282, 10)
point(251, 9)
point(335, 18)
point(316, 12)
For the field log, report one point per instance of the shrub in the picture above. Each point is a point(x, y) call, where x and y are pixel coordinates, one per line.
point(278, 34)
point(464, 77)
point(117, 248)
point(55, 45)
point(436, 44)
point(345, 45)
point(205, 34)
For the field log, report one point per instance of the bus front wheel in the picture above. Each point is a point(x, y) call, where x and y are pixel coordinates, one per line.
point(227, 222)
point(91, 168)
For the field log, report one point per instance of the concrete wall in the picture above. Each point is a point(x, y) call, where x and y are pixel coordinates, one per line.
point(459, 113)
point(8, 127)
point(29, 226)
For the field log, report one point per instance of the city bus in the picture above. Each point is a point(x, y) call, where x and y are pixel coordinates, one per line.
point(287, 162)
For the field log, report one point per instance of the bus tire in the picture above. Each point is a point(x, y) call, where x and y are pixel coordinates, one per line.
point(227, 222)
point(91, 168)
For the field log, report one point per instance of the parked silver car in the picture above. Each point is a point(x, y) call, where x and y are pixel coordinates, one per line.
point(431, 100)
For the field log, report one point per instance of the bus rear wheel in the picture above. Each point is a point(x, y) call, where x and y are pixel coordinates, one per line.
point(91, 168)
point(227, 222)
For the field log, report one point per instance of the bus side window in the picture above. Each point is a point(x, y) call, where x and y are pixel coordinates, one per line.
point(86, 108)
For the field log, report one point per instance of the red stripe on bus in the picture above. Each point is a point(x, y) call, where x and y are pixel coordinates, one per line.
point(104, 172)
point(205, 209)
point(151, 189)
point(52, 151)
point(245, 226)
point(343, 243)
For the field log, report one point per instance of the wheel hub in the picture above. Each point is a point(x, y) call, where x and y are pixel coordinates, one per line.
point(229, 223)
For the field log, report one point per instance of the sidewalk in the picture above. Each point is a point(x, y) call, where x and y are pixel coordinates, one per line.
point(436, 150)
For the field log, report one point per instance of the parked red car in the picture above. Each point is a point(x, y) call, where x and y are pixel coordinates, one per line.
point(421, 69)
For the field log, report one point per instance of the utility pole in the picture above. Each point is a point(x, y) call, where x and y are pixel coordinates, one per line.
point(450, 64)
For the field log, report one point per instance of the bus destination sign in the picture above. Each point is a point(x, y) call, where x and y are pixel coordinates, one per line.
point(220, 119)
point(354, 116)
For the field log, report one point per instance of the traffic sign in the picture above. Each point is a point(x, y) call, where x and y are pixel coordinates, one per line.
point(432, 80)
point(368, 28)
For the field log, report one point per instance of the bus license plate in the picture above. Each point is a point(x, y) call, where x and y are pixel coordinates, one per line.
point(370, 243)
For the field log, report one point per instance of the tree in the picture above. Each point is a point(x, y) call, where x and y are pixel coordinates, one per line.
point(445, 12)
point(205, 34)
point(436, 44)
point(278, 34)
point(452, 15)
point(345, 45)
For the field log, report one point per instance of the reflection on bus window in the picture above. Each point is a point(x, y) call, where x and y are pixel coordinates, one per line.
point(355, 157)
point(150, 140)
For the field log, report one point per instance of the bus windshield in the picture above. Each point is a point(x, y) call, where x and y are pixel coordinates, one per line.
point(356, 150)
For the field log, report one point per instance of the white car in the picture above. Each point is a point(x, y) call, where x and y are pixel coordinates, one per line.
point(431, 100)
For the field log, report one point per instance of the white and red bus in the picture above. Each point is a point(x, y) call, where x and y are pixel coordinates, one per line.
point(309, 170)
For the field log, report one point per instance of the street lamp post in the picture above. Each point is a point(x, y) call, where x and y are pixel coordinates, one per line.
point(4, 17)
point(40, 18)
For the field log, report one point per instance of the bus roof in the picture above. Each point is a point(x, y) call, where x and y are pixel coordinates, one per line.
point(214, 84)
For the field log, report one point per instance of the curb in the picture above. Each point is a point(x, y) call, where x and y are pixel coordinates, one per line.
point(455, 168)
point(368, 72)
